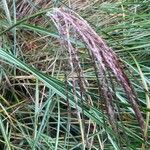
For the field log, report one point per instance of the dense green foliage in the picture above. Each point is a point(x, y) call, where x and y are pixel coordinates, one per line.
point(41, 108)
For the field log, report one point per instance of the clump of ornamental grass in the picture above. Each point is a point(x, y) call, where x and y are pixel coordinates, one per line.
point(105, 61)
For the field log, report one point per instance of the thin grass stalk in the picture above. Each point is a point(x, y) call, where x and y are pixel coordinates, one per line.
point(36, 117)
point(6, 9)
point(58, 126)
point(78, 113)
point(5, 136)
point(68, 111)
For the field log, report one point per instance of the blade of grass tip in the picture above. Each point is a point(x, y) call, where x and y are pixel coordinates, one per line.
point(3, 131)
point(58, 126)
point(146, 95)
point(7, 11)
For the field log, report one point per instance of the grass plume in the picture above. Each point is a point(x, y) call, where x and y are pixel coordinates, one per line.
point(68, 23)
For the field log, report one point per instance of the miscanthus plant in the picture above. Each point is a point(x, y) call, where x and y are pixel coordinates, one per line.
point(74, 75)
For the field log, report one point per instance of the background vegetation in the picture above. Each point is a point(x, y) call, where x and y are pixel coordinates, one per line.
point(41, 104)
